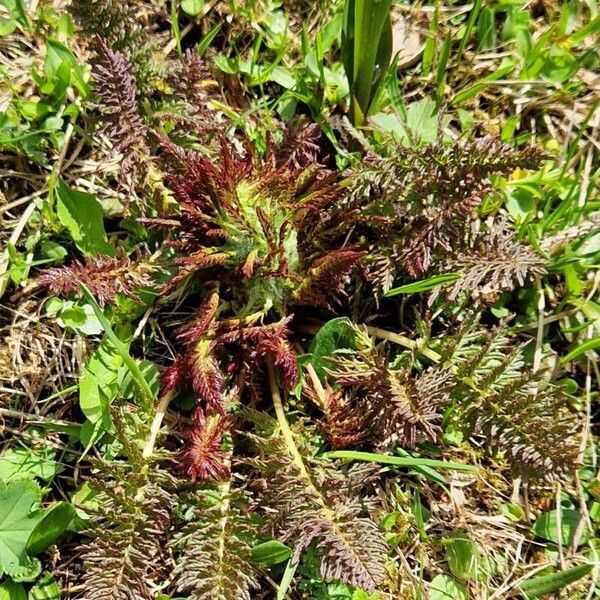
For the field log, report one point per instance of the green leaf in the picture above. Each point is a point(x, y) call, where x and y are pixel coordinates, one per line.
point(61, 64)
point(427, 472)
point(83, 216)
point(420, 123)
point(366, 51)
point(592, 344)
point(206, 41)
point(79, 317)
point(592, 27)
point(27, 463)
point(7, 26)
point(546, 526)
point(424, 285)
point(192, 7)
point(444, 587)
point(336, 334)
point(54, 523)
point(486, 29)
point(547, 584)
point(144, 390)
point(513, 512)
point(16, 8)
point(286, 579)
point(19, 514)
point(100, 383)
point(10, 590)
point(46, 588)
point(151, 374)
point(53, 250)
point(271, 552)
point(465, 560)
point(398, 461)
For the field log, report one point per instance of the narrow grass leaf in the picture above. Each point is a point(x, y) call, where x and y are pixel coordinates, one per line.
point(548, 584)
point(136, 373)
point(398, 461)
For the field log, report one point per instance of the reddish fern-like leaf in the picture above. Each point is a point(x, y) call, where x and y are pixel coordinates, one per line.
point(203, 458)
point(105, 277)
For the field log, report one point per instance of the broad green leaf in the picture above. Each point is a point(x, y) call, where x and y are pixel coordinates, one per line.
point(53, 250)
point(512, 512)
point(16, 8)
point(548, 584)
point(151, 374)
point(444, 587)
point(45, 588)
point(559, 65)
point(10, 590)
point(519, 202)
point(83, 216)
point(57, 56)
point(546, 526)
point(100, 383)
point(145, 392)
point(465, 560)
point(192, 7)
point(54, 523)
point(7, 25)
point(27, 463)
point(271, 552)
point(19, 514)
point(424, 285)
point(486, 29)
point(420, 123)
point(80, 317)
point(336, 334)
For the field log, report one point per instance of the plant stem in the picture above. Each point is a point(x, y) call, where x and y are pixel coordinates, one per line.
point(402, 340)
point(161, 410)
point(286, 432)
point(319, 389)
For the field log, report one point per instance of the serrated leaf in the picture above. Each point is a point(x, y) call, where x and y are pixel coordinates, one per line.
point(19, 514)
point(83, 217)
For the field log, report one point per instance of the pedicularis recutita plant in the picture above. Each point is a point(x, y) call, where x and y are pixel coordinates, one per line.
point(258, 250)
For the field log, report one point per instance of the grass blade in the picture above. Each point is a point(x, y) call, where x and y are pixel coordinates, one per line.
point(136, 374)
point(547, 584)
point(398, 461)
